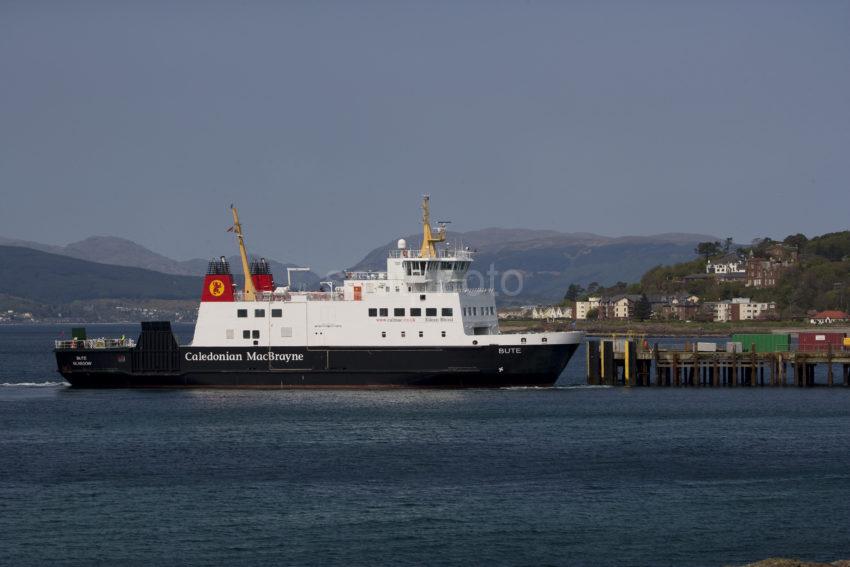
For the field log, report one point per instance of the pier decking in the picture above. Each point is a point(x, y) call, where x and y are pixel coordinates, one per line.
point(640, 364)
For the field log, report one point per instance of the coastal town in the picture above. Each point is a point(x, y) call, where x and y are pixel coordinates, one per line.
point(725, 271)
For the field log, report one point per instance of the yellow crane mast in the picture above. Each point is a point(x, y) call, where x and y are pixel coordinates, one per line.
point(249, 291)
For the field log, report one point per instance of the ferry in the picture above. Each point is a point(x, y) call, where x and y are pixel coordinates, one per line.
point(417, 325)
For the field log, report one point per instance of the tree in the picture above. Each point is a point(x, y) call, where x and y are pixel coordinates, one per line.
point(592, 287)
point(593, 314)
point(573, 292)
point(643, 308)
point(760, 246)
point(708, 249)
point(727, 245)
point(798, 240)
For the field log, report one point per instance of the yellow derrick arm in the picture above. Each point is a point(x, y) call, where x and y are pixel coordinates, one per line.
point(429, 241)
point(249, 292)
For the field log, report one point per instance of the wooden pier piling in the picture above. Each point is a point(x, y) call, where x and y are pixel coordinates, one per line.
point(636, 364)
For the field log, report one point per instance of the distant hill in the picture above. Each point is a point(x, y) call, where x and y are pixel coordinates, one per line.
point(549, 260)
point(51, 278)
point(105, 267)
point(122, 252)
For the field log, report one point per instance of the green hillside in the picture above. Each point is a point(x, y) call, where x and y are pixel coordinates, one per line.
point(820, 279)
point(49, 278)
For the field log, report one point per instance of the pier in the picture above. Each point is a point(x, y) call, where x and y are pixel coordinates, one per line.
point(636, 363)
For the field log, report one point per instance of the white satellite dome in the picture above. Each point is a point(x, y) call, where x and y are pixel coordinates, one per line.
point(402, 244)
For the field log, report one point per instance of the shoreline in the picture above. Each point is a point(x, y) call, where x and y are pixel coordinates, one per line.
point(666, 328)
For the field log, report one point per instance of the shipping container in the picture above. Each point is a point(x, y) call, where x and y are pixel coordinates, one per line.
point(820, 342)
point(734, 347)
point(706, 347)
point(847, 343)
point(763, 342)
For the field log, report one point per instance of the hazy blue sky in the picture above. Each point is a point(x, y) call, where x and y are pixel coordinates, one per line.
point(325, 121)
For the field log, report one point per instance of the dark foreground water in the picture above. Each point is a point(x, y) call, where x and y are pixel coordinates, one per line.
point(564, 476)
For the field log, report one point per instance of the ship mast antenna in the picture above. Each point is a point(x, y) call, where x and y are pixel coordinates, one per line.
point(250, 292)
point(429, 241)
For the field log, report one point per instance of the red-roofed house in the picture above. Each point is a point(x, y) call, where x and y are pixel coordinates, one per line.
point(827, 317)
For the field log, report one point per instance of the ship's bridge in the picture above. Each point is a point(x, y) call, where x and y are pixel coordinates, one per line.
point(444, 270)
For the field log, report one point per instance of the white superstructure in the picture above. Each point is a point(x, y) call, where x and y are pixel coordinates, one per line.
point(421, 300)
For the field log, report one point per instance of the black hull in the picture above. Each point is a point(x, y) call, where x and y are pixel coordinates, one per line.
point(189, 367)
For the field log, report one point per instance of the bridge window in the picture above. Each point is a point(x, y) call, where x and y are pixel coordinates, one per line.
point(384, 312)
point(241, 312)
point(447, 312)
point(415, 312)
point(373, 312)
point(277, 312)
point(246, 334)
point(259, 312)
point(431, 312)
point(398, 312)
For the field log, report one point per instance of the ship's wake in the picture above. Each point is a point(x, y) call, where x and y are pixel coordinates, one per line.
point(45, 384)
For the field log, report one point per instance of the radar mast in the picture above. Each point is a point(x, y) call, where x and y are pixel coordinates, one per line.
point(429, 241)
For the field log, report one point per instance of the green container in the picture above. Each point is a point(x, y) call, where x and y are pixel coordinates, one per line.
point(764, 342)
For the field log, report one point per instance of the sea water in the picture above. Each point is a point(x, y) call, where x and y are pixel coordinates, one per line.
point(571, 475)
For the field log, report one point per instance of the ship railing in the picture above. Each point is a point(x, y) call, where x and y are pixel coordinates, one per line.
point(323, 296)
point(451, 253)
point(95, 343)
point(477, 291)
point(268, 296)
point(352, 275)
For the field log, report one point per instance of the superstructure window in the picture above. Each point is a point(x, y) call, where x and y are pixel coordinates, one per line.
point(259, 312)
point(443, 333)
point(403, 334)
point(255, 334)
point(415, 312)
point(241, 312)
point(246, 334)
point(277, 312)
point(384, 311)
point(383, 334)
point(431, 312)
point(398, 312)
point(373, 312)
point(420, 334)
point(447, 312)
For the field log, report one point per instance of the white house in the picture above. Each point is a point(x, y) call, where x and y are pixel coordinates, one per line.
point(552, 312)
point(741, 309)
point(729, 264)
point(582, 307)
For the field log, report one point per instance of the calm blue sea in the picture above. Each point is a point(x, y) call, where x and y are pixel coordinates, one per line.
point(563, 476)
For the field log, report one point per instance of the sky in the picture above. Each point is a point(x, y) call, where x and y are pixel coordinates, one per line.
point(325, 122)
